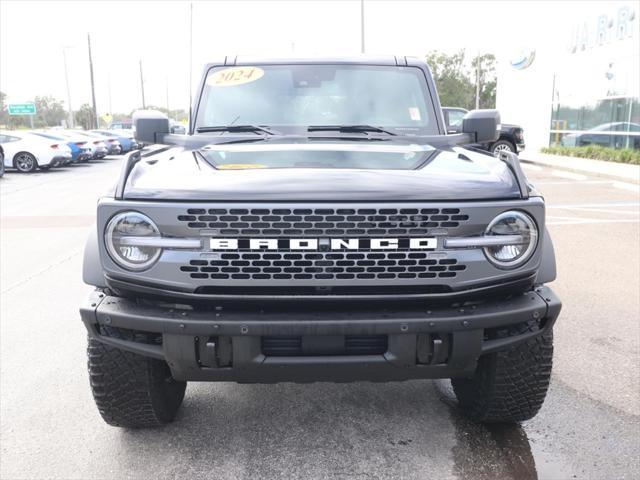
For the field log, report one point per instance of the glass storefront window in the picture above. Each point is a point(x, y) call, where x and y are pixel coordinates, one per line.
point(596, 92)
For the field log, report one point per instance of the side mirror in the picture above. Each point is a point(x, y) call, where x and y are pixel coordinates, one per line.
point(150, 126)
point(482, 125)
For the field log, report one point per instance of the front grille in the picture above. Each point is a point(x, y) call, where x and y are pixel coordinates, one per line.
point(306, 346)
point(323, 266)
point(313, 222)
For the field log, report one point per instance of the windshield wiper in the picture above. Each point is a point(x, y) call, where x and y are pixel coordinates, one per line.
point(349, 129)
point(238, 128)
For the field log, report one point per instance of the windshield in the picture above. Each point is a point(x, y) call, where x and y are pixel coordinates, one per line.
point(324, 155)
point(318, 95)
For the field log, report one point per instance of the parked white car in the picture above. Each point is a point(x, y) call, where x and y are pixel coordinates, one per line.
point(26, 152)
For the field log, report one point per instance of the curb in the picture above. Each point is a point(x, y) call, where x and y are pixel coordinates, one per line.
point(630, 174)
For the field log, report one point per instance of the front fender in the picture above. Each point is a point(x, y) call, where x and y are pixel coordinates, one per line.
point(547, 270)
point(92, 272)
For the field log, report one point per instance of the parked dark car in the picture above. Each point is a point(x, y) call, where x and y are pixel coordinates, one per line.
point(1, 161)
point(176, 128)
point(612, 135)
point(511, 136)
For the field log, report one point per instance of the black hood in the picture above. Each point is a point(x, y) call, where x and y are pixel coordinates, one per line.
point(441, 174)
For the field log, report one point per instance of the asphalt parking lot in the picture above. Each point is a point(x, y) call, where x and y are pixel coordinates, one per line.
point(50, 428)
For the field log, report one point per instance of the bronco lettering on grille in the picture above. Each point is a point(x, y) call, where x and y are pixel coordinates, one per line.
point(428, 243)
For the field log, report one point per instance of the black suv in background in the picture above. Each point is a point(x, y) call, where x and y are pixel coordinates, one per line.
point(511, 136)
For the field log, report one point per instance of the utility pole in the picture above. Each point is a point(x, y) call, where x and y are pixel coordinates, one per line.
point(478, 81)
point(94, 120)
point(190, 63)
point(168, 96)
point(361, 26)
point(144, 105)
point(109, 89)
point(66, 78)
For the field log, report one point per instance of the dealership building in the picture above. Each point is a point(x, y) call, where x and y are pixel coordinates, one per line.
point(579, 87)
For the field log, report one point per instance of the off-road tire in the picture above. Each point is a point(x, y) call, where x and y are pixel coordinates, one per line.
point(130, 390)
point(510, 385)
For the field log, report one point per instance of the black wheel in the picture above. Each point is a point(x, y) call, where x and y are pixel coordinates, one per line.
point(503, 146)
point(130, 390)
point(508, 386)
point(24, 162)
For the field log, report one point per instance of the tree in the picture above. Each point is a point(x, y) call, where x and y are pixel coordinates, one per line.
point(11, 121)
point(49, 112)
point(452, 79)
point(486, 77)
point(179, 115)
point(84, 116)
point(3, 111)
point(456, 83)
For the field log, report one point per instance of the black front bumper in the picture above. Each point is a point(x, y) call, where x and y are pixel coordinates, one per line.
point(228, 344)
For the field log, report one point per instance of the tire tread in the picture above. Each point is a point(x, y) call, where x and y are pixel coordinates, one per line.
point(508, 386)
point(130, 390)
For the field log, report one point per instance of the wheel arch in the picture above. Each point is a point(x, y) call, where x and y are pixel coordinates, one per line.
point(13, 160)
point(505, 137)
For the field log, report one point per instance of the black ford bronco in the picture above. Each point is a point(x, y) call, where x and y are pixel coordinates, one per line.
point(317, 223)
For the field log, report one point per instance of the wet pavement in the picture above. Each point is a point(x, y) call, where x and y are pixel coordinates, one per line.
point(589, 427)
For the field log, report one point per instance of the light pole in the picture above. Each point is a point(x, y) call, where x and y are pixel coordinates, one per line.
point(168, 96)
point(361, 26)
point(94, 119)
point(142, 86)
point(66, 78)
point(109, 88)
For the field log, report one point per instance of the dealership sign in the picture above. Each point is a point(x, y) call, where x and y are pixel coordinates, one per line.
point(523, 59)
point(603, 30)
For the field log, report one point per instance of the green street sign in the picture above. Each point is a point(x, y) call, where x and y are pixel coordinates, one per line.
point(22, 108)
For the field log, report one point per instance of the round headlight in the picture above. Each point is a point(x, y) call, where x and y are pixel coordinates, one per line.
point(122, 238)
point(512, 254)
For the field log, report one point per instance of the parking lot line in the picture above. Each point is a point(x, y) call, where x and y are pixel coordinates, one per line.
point(627, 186)
point(585, 221)
point(564, 182)
point(606, 210)
point(530, 166)
point(570, 175)
point(595, 205)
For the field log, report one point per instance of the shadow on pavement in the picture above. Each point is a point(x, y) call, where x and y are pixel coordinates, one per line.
point(395, 430)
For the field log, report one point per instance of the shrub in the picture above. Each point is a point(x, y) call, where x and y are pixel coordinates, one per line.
point(625, 155)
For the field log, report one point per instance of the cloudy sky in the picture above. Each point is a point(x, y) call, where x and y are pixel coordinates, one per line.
point(34, 34)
